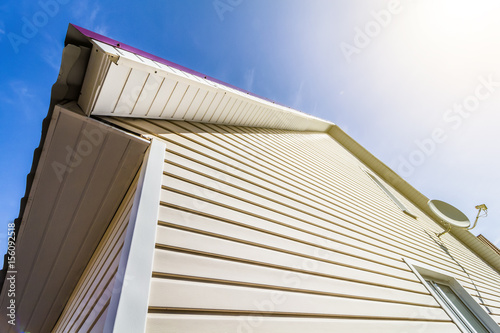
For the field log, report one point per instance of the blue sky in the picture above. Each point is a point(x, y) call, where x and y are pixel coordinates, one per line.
point(415, 82)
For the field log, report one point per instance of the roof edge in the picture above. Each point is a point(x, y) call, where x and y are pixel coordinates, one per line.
point(412, 194)
point(82, 36)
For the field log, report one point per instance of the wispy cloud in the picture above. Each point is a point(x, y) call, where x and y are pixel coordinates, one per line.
point(2, 30)
point(95, 20)
point(20, 94)
point(299, 96)
point(21, 89)
point(6, 98)
point(101, 29)
point(249, 79)
point(51, 52)
point(93, 15)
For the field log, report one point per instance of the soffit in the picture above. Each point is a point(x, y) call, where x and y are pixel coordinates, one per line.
point(84, 171)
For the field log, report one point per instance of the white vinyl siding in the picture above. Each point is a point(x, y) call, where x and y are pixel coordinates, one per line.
point(263, 229)
point(87, 307)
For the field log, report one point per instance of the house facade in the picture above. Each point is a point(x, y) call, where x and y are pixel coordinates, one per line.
point(163, 200)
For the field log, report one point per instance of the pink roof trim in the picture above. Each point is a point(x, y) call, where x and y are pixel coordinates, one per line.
point(117, 44)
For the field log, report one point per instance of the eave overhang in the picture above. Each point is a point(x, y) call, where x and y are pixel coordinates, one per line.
point(83, 173)
point(125, 82)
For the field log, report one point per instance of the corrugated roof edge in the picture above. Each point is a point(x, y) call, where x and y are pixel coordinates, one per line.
point(55, 98)
point(487, 242)
point(29, 182)
point(117, 44)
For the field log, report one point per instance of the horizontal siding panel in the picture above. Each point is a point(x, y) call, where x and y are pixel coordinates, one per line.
point(329, 225)
point(99, 324)
point(325, 236)
point(259, 228)
point(283, 169)
point(92, 297)
point(197, 204)
point(276, 241)
point(174, 263)
point(200, 242)
point(100, 302)
point(417, 245)
point(248, 205)
point(462, 253)
point(186, 159)
point(230, 172)
point(166, 293)
point(256, 323)
point(435, 259)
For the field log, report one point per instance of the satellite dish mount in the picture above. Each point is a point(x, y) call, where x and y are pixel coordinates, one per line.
point(452, 217)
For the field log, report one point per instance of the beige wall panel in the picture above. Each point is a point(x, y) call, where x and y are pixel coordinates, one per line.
point(245, 206)
point(174, 323)
point(199, 242)
point(168, 293)
point(173, 264)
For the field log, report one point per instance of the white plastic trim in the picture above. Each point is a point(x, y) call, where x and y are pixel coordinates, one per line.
point(437, 274)
point(387, 192)
point(128, 307)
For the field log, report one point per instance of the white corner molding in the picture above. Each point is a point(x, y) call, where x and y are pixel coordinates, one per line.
point(128, 307)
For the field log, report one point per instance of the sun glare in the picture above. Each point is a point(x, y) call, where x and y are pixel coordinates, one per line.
point(448, 39)
point(457, 24)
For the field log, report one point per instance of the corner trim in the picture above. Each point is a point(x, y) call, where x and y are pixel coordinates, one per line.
point(128, 307)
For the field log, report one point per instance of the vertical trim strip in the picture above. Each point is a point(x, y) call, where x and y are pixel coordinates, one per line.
point(129, 303)
point(388, 193)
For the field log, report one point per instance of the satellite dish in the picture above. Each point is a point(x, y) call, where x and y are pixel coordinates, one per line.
point(449, 215)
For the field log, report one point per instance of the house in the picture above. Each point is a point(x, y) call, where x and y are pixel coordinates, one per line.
point(163, 200)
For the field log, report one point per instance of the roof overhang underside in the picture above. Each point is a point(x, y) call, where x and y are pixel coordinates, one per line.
point(135, 84)
point(83, 173)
